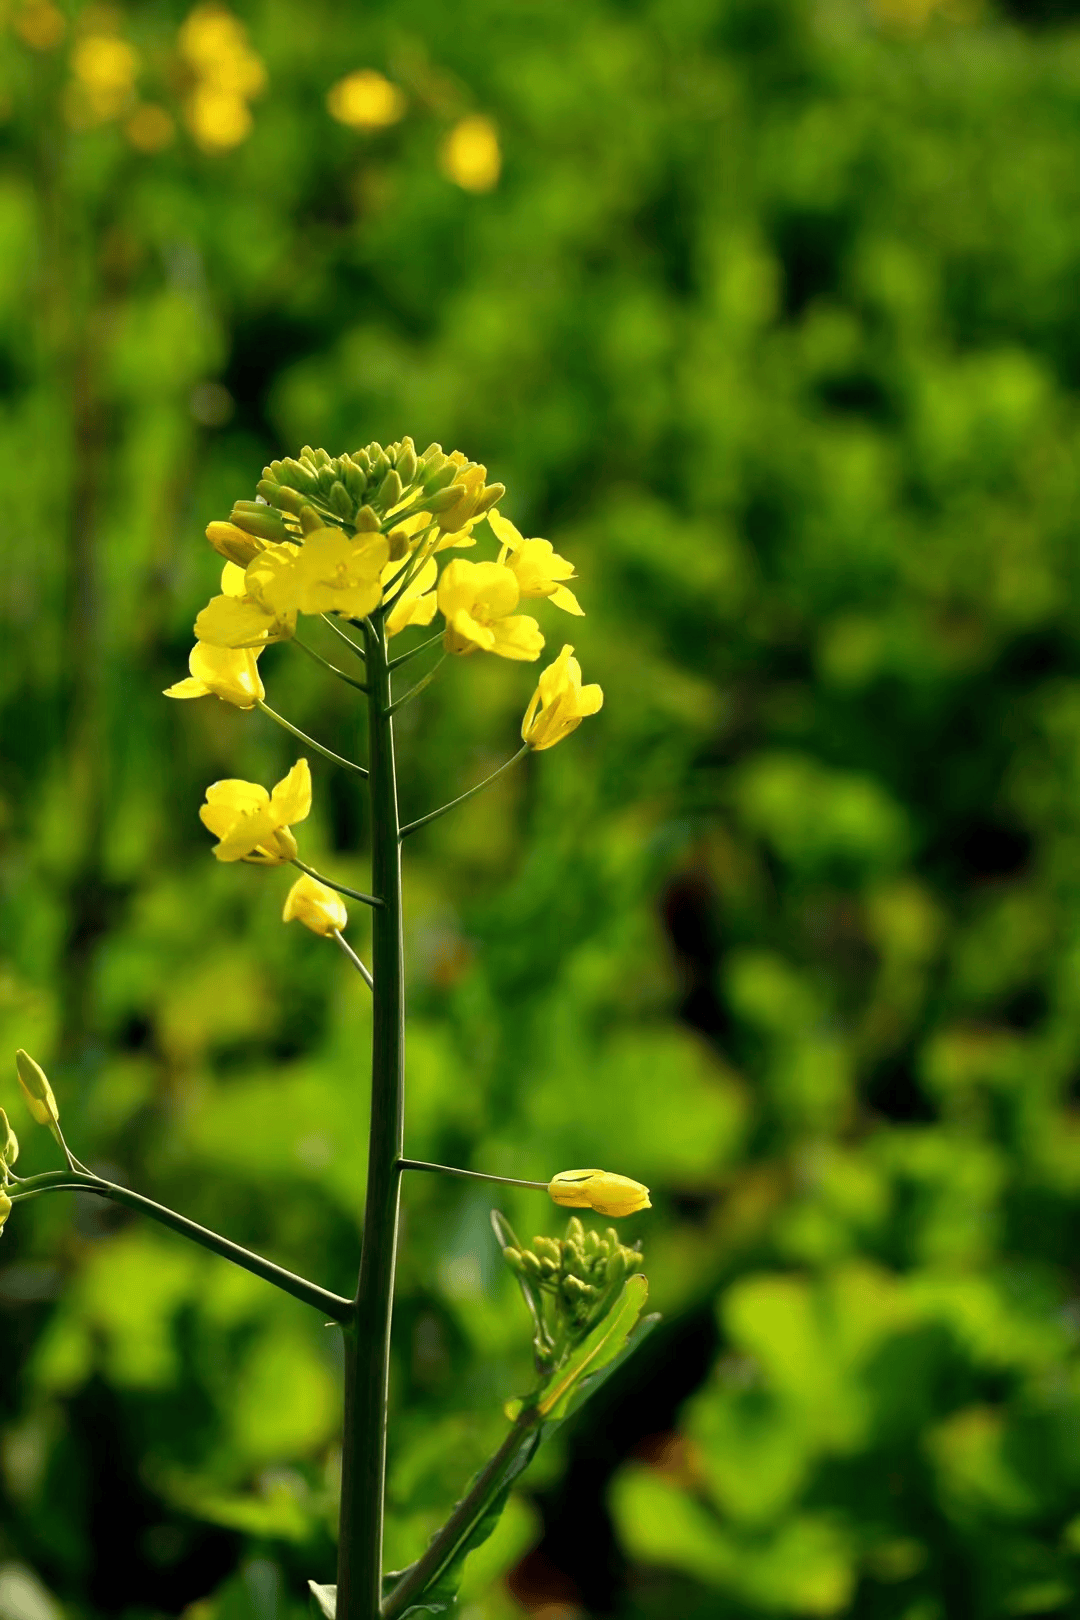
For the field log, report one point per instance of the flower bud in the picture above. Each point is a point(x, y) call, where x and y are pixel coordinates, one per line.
point(35, 1087)
point(406, 462)
point(5, 1209)
point(607, 1194)
point(316, 906)
point(299, 476)
point(310, 520)
point(254, 517)
point(340, 500)
point(280, 495)
point(233, 543)
point(367, 520)
point(9, 1142)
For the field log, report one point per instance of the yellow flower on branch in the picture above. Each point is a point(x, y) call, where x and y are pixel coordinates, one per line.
point(316, 906)
point(470, 155)
point(477, 600)
point(559, 704)
point(366, 100)
point(230, 673)
point(535, 564)
point(329, 573)
point(417, 603)
point(237, 618)
point(252, 824)
point(607, 1194)
point(35, 1087)
point(5, 1209)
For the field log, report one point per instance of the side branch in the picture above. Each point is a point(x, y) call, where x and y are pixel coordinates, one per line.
point(354, 959)
point(353, 894)
point(414, 691)
point(327, 753)
point(332, 1305)
point(472, 1175)
point(326, 664)
point(433, 815)
point(421, 646)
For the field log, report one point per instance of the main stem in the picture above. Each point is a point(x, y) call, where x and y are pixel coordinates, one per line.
point(367, 1341)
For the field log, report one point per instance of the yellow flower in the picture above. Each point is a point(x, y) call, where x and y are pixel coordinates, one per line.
point(329, 573)
point(599, 1190)
point(477, 601)
point(253, 825)
point(470, 154)
point(9, 1143)
point(5, 1209)
point(559, 704)
point(229, 673)
point(35, 1087)
point(366, 100)
point(316, 906)
point(233, 543)
point(535, 564)
point(417, 602)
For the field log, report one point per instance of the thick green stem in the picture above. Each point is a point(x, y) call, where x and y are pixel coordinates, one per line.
point(332, 1305)
point(367, 1342)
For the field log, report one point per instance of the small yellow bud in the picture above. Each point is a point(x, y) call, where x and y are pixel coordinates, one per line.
point(233, 543)
point(35, 1087)
point(9, 1142)
point(316, 906)
point(5, 1209)
point(607, 1194)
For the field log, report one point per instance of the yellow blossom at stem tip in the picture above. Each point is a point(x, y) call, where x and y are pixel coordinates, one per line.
point(607, 1194)
point(329, 573)
point(9, 1143)
point(559, 704)
point(535, 564)
point(35, 1087)
point(316, 906)
point(252, 824)
point(229, 673)
point(477, 600)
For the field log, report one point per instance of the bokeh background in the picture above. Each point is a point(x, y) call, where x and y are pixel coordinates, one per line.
point(766, 311)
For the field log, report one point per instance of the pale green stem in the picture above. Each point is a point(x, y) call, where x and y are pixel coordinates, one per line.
point(472, 1175)
point(414, 691)
point(338, 631)
point(353, 894)
point(332, 1305)
point(326, 664)
point(403, 658)
point(354, 959)
point(327, 753)
point(433, 815)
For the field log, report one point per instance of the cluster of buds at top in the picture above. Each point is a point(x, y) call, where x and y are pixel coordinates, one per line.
point(569, 1283)
point(371, 491)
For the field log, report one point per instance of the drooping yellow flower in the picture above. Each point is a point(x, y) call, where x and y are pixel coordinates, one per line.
point(477, 600)
point(9, 1143)
point(252, 824)
point(232, 674)
point(607, 1194)
point(535, 564)
point(316, 906)
point(559, 704)
point(417, 603)
point(35, 1087)
point(470, 155)
point(5, 1209)
point(329, 573)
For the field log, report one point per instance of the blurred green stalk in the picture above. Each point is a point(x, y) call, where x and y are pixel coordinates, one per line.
point(367, 1338)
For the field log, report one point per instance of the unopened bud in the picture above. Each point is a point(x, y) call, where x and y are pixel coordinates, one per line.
point(321, 458)
point(35, 1087)
point(442, 501)
point(406, 461)
point(390, 490)
point(493, 493)
point(254, 517)
point(310, 520)
point(355, 479)
point(299, 476)
point(5, 1209)
point(367, 520)
point(340, 500)
point(232, 543)
point(9, 1142)
point(514, 1260)
point(530, 1264)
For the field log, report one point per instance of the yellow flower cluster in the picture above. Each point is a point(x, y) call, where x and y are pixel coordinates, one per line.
point(226, 75)
point(355, 534)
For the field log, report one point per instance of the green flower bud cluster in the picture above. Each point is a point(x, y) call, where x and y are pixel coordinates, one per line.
point(367, 491)
point(569, 1283)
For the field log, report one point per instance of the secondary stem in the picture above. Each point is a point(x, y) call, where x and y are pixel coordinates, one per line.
point(471, 1175)
point(367, 1342)
point(332, 1305)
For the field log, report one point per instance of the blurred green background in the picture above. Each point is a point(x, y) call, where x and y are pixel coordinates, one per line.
point(766, 313)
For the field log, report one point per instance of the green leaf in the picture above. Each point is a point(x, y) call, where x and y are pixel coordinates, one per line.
point(607, 1340)
point(587, 1387)
point(323, 1600)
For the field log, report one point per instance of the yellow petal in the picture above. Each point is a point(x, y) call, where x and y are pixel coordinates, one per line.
point(316, 906)
point(564, 598)
point(517, 637)
point(291, 799)
point(188, 688)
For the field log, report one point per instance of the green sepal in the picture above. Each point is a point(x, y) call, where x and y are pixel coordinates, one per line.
point(323, 1601)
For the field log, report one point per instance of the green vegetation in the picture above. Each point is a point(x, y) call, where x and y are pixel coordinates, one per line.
point(769, 322)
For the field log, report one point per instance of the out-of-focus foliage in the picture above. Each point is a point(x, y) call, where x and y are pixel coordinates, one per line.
point(765, 312)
